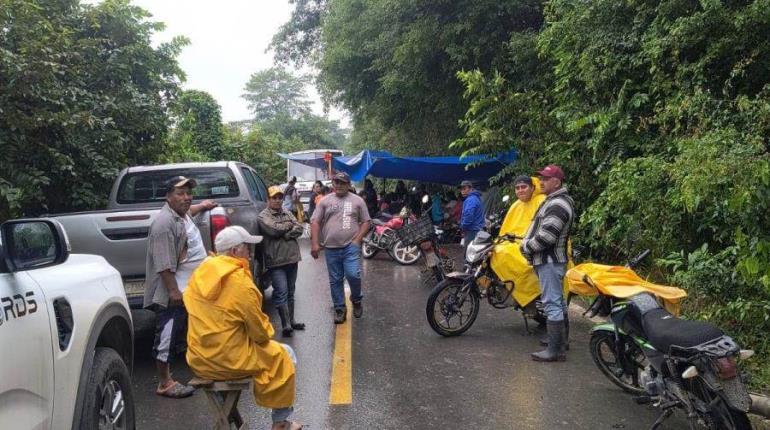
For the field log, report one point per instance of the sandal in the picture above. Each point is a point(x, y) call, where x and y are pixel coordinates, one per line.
point(287, 425)
point(176, 391)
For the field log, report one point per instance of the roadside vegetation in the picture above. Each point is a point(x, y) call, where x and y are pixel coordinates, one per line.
point(659, 111)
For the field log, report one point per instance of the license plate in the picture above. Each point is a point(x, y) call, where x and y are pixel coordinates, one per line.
point(134, 288)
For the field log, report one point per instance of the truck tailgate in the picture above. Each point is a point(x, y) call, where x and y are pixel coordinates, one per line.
point(119, 236)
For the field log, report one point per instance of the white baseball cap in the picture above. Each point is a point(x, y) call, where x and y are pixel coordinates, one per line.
point(233, 236)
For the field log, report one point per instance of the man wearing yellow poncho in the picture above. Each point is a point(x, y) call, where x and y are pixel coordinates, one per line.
point(507, 261)
point(228, 335)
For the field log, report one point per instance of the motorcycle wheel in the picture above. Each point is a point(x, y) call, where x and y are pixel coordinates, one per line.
point(602, 347)
point(367, 250)
point(405, 255)
point(444, 308)
point(721, 416)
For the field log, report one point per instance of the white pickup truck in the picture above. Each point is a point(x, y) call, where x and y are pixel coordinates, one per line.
point(66, 334)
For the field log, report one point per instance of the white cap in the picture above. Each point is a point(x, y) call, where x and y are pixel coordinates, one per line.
point(233, 236)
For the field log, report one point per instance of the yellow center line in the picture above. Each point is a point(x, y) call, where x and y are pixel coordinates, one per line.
point(341, 392)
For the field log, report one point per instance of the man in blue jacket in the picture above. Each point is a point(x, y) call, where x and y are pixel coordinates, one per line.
point(472, 220)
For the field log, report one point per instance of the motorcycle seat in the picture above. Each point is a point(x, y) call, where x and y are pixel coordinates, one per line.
point(375, 221)
point(663, 330)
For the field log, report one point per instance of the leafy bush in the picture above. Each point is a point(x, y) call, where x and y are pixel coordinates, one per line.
point(660, 114)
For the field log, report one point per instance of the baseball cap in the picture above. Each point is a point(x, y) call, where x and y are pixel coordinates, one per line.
point(233, 236)
point(180, 181)
point(274, 190)
point(552, 171)
point(342, 177)
point(523, 179)
point(466, 184)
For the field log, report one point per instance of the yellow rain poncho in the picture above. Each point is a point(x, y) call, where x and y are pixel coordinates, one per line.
point(507, 261)
point(228, 335)
point(621, 282)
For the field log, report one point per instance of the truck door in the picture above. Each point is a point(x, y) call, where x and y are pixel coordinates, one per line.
point(26, 350)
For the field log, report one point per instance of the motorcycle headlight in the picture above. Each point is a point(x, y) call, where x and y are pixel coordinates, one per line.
point(474, 253)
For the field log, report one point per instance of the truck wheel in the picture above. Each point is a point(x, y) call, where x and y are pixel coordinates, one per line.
point(109, 401)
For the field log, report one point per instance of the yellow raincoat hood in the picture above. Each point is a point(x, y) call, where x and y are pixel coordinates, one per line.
point(228, 335)
point(621, 282)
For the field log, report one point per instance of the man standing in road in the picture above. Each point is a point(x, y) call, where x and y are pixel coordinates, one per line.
point(472, 219)
point(339, 224)
point(281, 251)
point(545, 247)
point(174, 249)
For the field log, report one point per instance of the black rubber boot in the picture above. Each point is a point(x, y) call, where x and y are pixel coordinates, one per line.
point(295, 325)
point(555, 349)
point(544, 338)
point(566, 332)
point(283, 312)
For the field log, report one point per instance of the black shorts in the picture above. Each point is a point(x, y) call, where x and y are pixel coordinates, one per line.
point(170, 333)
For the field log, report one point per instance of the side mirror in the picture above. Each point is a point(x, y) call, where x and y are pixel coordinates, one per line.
point(506, 198)
point(425, 199)
point(33, 243)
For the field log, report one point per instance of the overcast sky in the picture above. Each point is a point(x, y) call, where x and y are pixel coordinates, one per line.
point(228, 40)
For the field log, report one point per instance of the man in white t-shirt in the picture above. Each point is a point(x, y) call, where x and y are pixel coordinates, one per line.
point(174, 251)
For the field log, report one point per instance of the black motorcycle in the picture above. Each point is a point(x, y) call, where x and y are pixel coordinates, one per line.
point(670, 362)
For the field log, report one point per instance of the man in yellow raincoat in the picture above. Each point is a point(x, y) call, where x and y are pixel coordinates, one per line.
point(507, 261)
point(228, 335)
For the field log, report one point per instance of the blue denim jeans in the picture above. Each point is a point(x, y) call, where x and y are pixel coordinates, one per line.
point(284, 282)
point(344, 263)
point(551, 277)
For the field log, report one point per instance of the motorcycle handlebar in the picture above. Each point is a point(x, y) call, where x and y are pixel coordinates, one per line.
point(511, 237)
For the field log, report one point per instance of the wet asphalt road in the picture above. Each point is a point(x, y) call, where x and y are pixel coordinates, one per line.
point(407, 377)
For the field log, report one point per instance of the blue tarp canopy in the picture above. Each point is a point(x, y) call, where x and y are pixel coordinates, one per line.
point(440, 170)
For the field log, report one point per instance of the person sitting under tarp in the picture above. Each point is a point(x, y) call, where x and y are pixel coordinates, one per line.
point(436, 207)
point(396, 199)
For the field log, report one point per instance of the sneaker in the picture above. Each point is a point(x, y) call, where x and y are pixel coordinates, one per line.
point(340, 315)
point(358, 309)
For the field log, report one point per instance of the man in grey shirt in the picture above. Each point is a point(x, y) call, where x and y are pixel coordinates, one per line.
point(174, 250)
point(339, 223)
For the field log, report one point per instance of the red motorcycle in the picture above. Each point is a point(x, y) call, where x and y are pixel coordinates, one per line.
point(382, 236)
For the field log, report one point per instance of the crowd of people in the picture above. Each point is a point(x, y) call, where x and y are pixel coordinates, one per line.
point(212, 304)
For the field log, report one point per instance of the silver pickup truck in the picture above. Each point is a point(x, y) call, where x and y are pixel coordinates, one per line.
point(119, 233)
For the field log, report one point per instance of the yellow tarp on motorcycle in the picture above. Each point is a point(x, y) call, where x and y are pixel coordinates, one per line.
point(507, 261)
point(621, 282)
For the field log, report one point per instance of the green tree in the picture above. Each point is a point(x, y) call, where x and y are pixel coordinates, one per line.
point(260, 150)
point(83, 93)
point(276, 93)
point(198, 126)
point(281, 106)
point(298, 40)
point(394, 61)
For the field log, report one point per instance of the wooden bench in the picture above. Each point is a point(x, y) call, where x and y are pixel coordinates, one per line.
point(223, 399)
